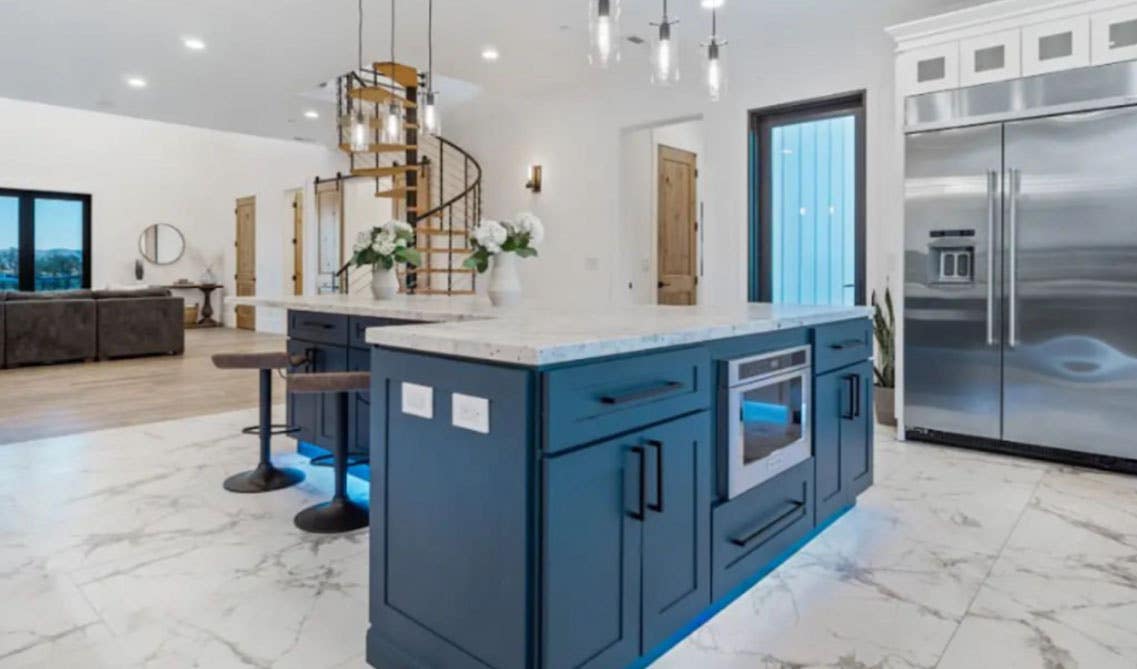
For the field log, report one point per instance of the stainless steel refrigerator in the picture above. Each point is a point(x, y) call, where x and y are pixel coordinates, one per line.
point(1021, 267)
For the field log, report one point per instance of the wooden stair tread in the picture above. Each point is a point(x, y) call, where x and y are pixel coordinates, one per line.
point(396, 192)
point(379, 95)
point(382, 148)
point(377, 124)
point(403, 75)
point(394, 170)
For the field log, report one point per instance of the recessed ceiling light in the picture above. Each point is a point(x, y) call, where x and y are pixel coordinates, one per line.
point(490, 54)
point(193, 43)
point(713, 4)
point(311, 113)
point(136, 82)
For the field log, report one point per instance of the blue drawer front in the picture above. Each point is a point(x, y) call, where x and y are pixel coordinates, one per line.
point(357, 328)
point(842, 344)
point(752, 530)
point(591, 402)
point(316, 327)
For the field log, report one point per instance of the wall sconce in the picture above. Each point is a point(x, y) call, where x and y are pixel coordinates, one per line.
point(534, 183)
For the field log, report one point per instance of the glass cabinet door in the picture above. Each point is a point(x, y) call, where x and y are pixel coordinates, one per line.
point(1056, 45)
point(1114, 35)
point(990, 58)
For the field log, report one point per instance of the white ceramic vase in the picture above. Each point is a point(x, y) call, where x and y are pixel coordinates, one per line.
point(505, 284)
point(384, 282)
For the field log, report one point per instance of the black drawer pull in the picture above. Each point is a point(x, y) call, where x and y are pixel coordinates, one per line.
point(848, 343)
point(317, 324)
point(745, 540)
point(657, 391)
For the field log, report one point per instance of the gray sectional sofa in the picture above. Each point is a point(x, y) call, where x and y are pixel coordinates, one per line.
point(51, 327)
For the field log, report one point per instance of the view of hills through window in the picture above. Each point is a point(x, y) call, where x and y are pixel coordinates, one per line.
point(57, 227)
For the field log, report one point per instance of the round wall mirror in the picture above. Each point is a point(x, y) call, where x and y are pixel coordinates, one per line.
point(162, 244)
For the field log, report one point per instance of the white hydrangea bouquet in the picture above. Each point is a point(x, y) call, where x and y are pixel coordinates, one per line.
point(521, 236)
point(505, 242)
point(381, 248)
point(385, 245)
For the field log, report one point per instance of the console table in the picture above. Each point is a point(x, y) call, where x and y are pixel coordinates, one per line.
point(206, 320)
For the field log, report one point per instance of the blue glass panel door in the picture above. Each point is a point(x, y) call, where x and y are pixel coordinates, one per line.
point(9, 243)
point(58, 244)
point(813, 214)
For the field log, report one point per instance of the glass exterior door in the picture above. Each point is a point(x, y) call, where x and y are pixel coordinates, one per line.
point(45, 240)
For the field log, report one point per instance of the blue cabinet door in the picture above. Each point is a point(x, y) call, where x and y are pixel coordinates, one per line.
point(315, 415)
point(594, 506)
point(303, 410)
point(359, 411)
point(842, 433)
point(676, 530)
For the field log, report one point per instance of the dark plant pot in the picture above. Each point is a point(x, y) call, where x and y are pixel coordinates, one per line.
point(886, 406)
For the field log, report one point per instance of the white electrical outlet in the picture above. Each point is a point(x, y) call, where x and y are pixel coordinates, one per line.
point(470, 413)
point(418, 400)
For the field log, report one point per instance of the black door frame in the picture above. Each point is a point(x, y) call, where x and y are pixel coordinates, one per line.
point(26, 234)
point(762, 121)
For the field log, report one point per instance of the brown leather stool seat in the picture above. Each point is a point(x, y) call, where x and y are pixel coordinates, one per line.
point(265, 477)
point(340, 514)
point(263, 360)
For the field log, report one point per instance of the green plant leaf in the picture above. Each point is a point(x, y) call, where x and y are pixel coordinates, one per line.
point(526, 252)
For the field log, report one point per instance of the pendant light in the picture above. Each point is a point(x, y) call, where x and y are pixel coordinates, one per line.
point(664, 53)
point(716, 73)
point(357, 132)
point(393, 121)
point(430, 119)
point(603, 32)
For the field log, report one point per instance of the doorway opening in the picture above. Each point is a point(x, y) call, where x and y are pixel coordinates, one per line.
point(659, 257)
point(45, 240)
point(807, 202)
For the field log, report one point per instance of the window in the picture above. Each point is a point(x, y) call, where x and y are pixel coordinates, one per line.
point(45, 240)
point(807, 203)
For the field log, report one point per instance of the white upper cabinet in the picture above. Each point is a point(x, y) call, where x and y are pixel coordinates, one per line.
point(989, 58)
point(1056, 45)
point(934, 68)
point(1114, 35)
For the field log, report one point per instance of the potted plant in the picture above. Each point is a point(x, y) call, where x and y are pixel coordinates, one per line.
point(505, 241)
point(884, 329)
point(382, 248)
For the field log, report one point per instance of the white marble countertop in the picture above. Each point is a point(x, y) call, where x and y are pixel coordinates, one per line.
point(539, 334)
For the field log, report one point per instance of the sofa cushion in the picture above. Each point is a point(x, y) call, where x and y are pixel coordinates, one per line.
point(21, 296)
point(131, 293)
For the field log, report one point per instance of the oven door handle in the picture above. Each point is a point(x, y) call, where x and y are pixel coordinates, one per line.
point(794, 509)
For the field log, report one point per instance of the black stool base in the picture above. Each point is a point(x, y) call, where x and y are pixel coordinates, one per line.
point(338, 515)
point(265, 478)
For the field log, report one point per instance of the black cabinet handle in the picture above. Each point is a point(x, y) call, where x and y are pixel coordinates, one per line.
point(657, 391)
point(848, 343)
point(639, 514)
point(658, 446)
point(794, 508)
point(856, 396)
point(849, 398)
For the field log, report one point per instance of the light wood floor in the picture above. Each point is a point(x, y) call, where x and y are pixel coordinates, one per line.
point(37, 402)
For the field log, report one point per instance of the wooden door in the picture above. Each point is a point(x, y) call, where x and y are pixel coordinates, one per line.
point(298, 244)
point(678, 226)
point(246, 276)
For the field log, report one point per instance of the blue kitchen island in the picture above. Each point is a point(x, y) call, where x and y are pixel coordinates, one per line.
point(559, 488)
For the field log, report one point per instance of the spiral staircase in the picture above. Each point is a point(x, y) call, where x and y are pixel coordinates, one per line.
point(435, 184)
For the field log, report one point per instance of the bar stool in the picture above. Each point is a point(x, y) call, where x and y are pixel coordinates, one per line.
point(340, 514)
point(265, 477)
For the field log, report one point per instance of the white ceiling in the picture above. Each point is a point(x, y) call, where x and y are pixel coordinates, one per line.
point(264, 58)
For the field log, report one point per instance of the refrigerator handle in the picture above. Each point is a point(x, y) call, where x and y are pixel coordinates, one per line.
point(992, 208)
point(1013, 176)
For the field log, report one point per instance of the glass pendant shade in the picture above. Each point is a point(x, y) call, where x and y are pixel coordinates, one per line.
point(603, 32)
point(716, 72)
point(431, 122)
point(664, 57)
point(393, 124)
point(357, 132)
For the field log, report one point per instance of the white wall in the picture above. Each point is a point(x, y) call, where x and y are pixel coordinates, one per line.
point(576, 135)
point(141, 172)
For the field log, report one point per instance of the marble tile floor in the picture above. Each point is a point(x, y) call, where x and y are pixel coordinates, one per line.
point(119, 548)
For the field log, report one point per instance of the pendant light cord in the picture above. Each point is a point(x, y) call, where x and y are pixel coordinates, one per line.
point(430, 46)
point(392, 35)
point(360, 42)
